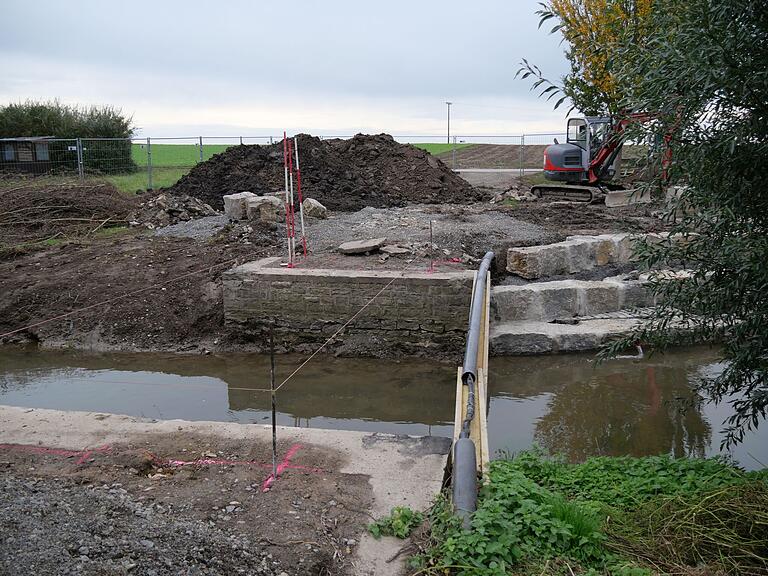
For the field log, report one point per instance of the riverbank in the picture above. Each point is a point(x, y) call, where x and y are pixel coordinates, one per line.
point(174, 495)
point(621, 516)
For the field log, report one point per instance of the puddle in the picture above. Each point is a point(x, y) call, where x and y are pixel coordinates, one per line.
point(566, 404)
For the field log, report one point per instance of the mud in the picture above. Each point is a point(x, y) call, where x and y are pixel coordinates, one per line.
point(344, 175)
point(124, 510)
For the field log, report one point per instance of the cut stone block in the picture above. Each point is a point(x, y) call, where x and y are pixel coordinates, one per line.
point(562, 299)
point(528, 338)
point(362, 246)
point(235, 205)
point(265, 208)
point(574, 254)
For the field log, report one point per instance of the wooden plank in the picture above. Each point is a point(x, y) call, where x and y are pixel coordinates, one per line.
point(460, 403)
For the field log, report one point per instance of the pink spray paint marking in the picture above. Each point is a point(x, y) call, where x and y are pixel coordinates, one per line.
point(84, 455)
point(286, 463)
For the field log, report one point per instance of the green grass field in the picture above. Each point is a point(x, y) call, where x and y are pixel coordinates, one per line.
point(175, 155)
point(436, 149)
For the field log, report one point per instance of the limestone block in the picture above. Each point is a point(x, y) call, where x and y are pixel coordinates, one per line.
point(235, 205)
point(265, 208)
point(597, 299)
point(558, 301)
point(314, 209)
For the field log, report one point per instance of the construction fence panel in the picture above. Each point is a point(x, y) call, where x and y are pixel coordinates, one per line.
point(40, 156)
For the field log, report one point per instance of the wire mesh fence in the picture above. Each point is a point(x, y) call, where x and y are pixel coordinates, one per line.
point(149, 163)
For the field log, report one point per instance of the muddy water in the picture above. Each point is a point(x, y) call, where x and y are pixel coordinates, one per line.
point(566, 404)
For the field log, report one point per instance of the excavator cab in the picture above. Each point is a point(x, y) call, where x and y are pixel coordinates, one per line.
point(570, 162)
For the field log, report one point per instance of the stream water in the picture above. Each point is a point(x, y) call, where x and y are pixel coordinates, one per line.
point(566, 404)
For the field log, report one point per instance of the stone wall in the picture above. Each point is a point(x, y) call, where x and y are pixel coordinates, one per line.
point(418, 314)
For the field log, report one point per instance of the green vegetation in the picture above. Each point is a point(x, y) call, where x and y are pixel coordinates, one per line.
point(614, 516)
point(175, 155)
point(704, 79)
point(161, 178)
point(436, 149)
point(400, 523)
point(63, 121)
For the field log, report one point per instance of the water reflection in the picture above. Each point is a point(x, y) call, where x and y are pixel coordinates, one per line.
point(567, 404)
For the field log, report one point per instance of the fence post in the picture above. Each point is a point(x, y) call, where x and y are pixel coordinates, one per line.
point(149, 164)
point(453, 153)
point(201, 148)
point(80, 171)
point(241, 140)
point(522, 155)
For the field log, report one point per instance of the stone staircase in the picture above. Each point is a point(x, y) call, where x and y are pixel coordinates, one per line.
point(553, 316)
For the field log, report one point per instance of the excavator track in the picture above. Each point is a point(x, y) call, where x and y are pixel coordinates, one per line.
point(569, 192)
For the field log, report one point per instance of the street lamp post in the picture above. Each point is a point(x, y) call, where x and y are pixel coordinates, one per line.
point(448, 139)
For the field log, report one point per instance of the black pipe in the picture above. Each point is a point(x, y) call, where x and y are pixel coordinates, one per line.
point(464, 475)
point(469, 375)
point(464, 480)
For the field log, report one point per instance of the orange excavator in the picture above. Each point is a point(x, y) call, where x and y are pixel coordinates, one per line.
point(584, 166)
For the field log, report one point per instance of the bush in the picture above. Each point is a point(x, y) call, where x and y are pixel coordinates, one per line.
point(68, 122)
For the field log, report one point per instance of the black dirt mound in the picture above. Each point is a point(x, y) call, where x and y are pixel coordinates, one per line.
point(344, 175)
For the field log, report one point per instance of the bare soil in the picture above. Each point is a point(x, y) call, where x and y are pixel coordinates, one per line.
point(125, 510)
point(344, 175)
point(133, 290)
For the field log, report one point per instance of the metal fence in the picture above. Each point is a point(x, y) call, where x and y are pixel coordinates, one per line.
point(148, 163)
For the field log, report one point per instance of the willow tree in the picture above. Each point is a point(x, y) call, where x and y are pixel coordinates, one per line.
point(595, 32)
point(704, 75)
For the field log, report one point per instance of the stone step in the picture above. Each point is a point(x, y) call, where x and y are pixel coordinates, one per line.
point(574, 254)
point(562, 299)
point(530, 338)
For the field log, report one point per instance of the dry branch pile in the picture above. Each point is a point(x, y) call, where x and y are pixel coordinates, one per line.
point(34, 213)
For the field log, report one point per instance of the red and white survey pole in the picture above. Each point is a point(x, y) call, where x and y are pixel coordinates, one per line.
point(288, 167)
point(301, 198)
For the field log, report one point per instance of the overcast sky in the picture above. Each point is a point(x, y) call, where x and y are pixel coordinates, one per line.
point(253, 67)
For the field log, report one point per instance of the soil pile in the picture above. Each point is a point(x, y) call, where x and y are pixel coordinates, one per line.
point(344, 175)
point(33, 213)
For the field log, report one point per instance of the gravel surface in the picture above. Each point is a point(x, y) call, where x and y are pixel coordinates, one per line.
point(200, 229)
point(457, 231)
point(56, 526)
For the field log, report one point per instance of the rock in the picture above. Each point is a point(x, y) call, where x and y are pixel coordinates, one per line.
point(314, 209)
point(235, 205)
point(394, 249)
point(268, 209)
point(362, 246)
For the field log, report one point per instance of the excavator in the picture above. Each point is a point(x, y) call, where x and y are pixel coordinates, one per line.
point(584, 165)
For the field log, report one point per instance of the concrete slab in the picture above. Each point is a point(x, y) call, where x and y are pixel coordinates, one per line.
point(402, 470)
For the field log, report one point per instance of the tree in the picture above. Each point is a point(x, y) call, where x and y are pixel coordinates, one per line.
point(595, 31)
point(704, 74)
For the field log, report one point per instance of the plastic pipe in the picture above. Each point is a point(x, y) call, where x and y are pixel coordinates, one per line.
point(469, 375)
point(464, 480)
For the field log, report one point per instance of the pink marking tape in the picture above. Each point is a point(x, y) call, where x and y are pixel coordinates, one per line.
point(84, 454)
